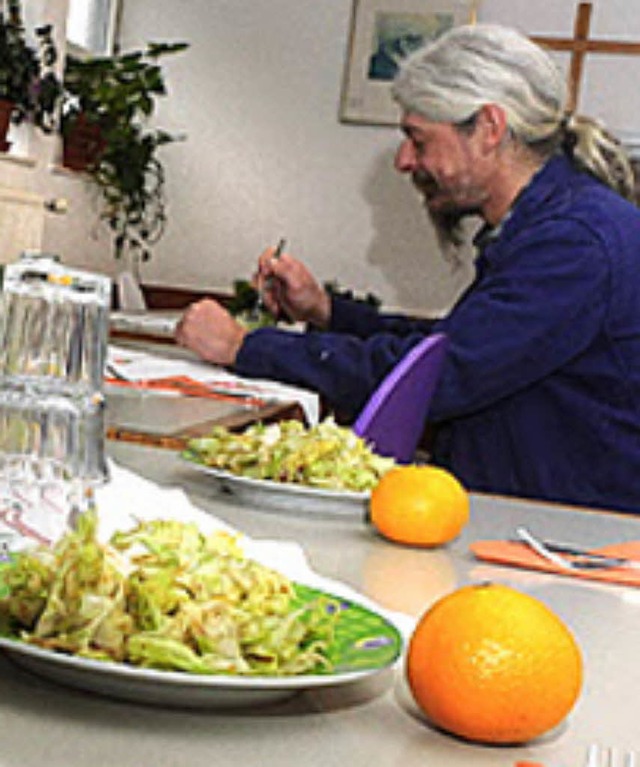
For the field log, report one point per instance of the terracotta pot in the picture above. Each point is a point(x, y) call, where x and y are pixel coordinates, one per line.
point(82, 145)
point(6, 108)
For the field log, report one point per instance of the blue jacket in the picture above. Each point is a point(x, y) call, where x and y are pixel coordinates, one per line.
point(540, 393)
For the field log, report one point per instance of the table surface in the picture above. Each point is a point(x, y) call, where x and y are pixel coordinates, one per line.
point(371, 722)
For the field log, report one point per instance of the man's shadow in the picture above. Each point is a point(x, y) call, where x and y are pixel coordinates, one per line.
point(405, 247)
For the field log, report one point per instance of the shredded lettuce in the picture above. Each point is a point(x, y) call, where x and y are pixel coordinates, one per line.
point(327, 455)
point(165, 596)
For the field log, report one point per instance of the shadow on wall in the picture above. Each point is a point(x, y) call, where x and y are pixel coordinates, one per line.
point(404, 245)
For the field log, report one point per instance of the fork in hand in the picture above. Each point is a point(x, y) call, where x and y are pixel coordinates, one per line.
point(259, 305)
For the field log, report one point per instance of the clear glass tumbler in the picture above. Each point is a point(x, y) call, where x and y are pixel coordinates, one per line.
point(53, 328)
point(53, 336)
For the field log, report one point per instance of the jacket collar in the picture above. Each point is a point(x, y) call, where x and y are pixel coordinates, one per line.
point(533, 197)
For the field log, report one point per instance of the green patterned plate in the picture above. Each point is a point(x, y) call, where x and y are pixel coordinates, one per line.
point(366, 643)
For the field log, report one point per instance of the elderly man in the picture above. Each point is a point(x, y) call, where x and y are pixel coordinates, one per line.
point(540, 393)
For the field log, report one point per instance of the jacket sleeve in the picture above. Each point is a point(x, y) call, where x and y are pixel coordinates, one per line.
point(343, 365)
point(342, 368)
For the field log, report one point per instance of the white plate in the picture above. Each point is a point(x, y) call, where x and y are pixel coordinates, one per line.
point(171, 688)
point(366, 644)
point(286, 496)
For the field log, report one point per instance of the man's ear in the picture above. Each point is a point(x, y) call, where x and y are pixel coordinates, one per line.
point(491, 124)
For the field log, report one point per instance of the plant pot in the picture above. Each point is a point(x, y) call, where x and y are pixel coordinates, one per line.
point(82, 144)
point(6, 108)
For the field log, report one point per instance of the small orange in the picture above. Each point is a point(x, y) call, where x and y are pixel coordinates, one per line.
point(419, 505)
point(494, 665)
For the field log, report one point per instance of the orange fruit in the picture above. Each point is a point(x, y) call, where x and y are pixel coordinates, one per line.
point(494, 665)
point(419, 505)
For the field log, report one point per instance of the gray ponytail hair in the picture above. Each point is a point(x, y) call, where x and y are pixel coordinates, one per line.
point(592, 147)
point(470, 66)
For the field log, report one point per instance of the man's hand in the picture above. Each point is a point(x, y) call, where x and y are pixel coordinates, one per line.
point(290, 287)
point(211, 332)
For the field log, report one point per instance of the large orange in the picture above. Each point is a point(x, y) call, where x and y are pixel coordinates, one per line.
point(492, 664)
point(419, 505)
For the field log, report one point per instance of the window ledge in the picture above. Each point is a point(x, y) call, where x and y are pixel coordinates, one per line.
point(15, 159)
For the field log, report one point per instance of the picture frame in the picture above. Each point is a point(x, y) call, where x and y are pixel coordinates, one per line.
point(383, 32)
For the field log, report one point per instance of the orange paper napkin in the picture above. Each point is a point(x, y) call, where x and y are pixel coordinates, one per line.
point(520, 555)
point(189, 387)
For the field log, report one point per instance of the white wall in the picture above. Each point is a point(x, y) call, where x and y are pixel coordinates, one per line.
point(258, 94)
point(266, 156)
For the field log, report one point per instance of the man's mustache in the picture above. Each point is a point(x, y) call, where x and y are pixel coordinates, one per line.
point(425, 183)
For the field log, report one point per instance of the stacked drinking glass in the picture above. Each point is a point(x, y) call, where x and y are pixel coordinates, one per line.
point(53, 338)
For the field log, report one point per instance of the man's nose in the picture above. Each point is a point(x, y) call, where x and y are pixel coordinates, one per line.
point(405, 158)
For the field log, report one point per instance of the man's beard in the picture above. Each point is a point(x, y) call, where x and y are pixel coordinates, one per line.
point(446, 218)
point(448, 226)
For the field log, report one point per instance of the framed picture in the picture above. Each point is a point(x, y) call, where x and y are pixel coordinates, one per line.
point(382, 33)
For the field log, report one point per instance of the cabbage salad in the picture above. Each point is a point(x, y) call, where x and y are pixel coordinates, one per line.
point(326, 456)
point(165, 596)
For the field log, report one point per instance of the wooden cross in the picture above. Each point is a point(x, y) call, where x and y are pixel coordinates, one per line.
point(580, 45)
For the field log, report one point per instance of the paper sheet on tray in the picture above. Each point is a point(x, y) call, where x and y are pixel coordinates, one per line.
point(138, 366)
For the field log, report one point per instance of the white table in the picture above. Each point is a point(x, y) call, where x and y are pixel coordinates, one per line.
point(372, 722)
